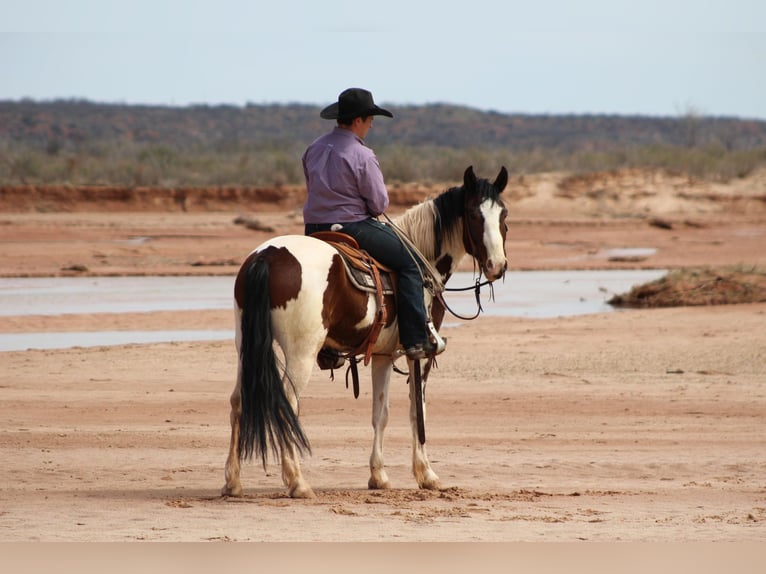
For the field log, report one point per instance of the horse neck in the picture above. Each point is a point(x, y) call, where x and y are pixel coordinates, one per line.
point(418, 224)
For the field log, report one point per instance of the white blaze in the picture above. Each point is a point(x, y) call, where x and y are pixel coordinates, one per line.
point(493, 239)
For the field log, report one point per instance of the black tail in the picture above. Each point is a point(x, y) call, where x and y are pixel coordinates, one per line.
point(267, 419)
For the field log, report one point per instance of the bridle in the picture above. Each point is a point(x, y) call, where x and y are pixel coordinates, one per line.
point(477, 293)
point(468, 238)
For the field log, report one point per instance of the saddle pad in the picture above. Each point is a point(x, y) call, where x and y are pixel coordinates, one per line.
point(356, 266)
point(363, 279)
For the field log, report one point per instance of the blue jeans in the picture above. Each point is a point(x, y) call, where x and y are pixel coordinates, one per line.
point(382, 243)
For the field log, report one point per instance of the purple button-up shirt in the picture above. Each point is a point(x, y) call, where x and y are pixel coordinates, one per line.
point(343, 180)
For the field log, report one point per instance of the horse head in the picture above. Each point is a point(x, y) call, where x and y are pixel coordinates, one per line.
point(484, 227)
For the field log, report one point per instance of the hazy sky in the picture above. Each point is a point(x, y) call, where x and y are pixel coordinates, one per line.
point(648, 57)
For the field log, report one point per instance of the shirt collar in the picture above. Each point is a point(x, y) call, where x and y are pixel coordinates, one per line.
point(347, 133)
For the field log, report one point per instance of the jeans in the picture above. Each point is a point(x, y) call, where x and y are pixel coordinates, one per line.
point(383, 244)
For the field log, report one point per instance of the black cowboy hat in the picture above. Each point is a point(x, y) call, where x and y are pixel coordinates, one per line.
point(353, 103)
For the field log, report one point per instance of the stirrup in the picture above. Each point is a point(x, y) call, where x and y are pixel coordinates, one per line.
point(439, 342)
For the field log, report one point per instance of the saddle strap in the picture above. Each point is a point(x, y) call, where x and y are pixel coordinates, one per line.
point(354, 375)
point(380, 315)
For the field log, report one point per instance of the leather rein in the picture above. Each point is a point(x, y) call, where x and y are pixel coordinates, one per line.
point(477, 293)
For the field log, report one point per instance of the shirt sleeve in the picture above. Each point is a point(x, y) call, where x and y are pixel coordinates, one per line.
point(371, 185)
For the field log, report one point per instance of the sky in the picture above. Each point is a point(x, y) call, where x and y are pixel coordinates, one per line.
point(651, 58)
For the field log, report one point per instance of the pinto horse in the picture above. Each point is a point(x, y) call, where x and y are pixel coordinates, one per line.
point(294, 290)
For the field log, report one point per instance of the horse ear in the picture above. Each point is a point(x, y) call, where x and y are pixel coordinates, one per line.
point(469, 178)
point(502, 180)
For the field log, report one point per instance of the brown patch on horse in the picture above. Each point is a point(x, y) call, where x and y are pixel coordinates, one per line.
point(343, 307)
point(473, 228)
point(444, 266)
point(284, 275)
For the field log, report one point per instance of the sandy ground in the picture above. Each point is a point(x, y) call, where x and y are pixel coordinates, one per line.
point(642, 425)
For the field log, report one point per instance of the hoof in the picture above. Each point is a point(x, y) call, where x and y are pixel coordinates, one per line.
point(235, 491)
point(301, 491)
point(381, 484)
point(430, 482)
point(431, 485)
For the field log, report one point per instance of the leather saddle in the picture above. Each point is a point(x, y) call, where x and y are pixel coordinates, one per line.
point(363, 270)
point(366, 274)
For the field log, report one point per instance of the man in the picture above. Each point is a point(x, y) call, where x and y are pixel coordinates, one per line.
point(346, 192)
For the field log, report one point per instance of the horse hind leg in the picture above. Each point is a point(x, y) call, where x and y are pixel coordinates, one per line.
point(297, 485)
point(292, 476)
point(421, 467)
point(233, 486)
point(297, 372)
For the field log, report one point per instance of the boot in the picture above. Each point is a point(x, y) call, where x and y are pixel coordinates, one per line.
point(434, 346)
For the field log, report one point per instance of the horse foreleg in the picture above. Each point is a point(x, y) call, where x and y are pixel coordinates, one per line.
point(381, 377)
point(421, 468)
point(233, 487)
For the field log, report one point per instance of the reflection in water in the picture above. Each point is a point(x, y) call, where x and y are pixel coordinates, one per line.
point(532, 294)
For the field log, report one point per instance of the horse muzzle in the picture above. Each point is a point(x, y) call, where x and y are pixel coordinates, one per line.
point(494, 271)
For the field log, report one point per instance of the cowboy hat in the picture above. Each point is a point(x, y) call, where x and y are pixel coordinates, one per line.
point(353, 103)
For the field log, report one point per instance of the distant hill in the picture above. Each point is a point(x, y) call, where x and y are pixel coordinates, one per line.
point(171, 144)
point(75, 121)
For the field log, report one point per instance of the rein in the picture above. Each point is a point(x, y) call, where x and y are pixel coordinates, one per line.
point(477, 293)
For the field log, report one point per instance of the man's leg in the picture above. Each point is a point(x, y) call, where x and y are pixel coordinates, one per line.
point(383, 244)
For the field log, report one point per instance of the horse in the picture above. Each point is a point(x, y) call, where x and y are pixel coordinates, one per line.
point(293, 289)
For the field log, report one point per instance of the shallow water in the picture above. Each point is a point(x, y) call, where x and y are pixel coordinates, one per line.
point(24, 341)
point(547, 294)
point(531, 294)
point(67, 295)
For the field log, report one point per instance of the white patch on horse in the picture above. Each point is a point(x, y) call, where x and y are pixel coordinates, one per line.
point(493, 239)
point(369, 314)
point(301, 319)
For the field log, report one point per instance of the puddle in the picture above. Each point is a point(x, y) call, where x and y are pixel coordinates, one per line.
point(26, 341)
point(530, 294)
point(67, 295)
point(548, 294)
